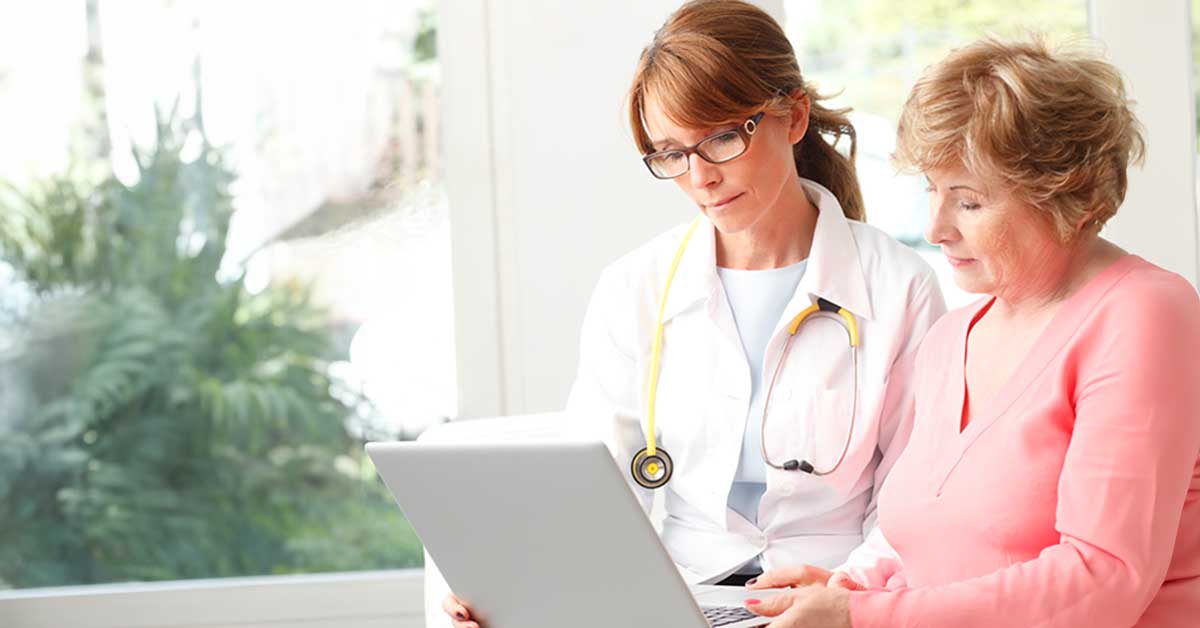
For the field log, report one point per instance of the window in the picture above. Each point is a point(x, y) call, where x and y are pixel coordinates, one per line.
point(224, 264)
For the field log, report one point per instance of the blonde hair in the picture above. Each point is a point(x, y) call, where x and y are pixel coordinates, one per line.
point(1054, 126)
point(717, 61)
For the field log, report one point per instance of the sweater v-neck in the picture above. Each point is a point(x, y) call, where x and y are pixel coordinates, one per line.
point(1049, 343)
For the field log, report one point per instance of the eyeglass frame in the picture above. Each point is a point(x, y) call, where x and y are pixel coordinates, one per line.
point(744, 130)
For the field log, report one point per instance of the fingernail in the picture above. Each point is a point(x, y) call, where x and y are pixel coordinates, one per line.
point(751, 582)
point(753, 601)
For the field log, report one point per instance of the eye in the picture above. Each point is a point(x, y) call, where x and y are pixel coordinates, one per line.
point(726, 139)
point(967, 205)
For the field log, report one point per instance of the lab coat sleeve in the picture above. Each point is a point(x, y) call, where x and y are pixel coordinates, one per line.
point(1125, 477)
point(603, 403)
point(874, 562)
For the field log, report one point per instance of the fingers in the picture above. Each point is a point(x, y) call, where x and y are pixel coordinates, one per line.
point(844, 581)
point(790, 577)
point(458, 612)
point(788, 619)
point(770, 606)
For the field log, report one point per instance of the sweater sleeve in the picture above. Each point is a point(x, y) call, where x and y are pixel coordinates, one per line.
point(1133, 448)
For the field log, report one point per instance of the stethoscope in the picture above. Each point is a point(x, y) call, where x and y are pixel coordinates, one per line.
point(652, 467)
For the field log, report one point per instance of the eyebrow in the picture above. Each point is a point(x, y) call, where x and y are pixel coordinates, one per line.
point(957, 186)
point(666, 143)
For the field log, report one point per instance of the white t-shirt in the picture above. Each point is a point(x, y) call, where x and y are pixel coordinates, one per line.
point(758, 299)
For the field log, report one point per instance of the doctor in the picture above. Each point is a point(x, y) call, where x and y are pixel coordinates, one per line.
point(719, 107)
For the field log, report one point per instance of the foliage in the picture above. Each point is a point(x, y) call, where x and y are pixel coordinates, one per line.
point(159, 423)
point(425, 43)
point(874, 49)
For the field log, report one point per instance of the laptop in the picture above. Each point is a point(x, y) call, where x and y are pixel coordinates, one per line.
point(539, 535)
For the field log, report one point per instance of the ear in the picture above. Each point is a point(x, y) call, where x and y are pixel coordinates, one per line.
point(798, 120)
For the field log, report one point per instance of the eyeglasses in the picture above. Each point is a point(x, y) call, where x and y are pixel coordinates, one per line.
point(715, 149)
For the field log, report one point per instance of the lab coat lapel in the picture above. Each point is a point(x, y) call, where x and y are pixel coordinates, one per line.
point(834, 270)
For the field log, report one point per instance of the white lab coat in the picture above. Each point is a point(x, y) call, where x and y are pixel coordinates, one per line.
point(704, 390)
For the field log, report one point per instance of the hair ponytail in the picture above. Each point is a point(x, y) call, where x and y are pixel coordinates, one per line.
point(819, 159)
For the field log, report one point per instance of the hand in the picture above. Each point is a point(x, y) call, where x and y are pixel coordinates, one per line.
point(840, 579)
point(791, 577)
point(459, 614)
point(812, 606)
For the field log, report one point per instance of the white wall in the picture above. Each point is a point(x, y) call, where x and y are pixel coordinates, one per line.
point(541, 85)
point(1151, 43)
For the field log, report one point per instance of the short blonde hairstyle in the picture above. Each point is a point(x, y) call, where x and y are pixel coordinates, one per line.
point(1053, 126)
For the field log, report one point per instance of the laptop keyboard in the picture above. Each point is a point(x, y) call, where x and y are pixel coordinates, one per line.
point(723, 615)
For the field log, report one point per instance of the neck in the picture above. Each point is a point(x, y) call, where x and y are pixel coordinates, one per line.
point(781, 237)
point(1058, 277)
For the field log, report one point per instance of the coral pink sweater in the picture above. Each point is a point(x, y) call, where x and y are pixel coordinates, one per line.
point(1071, 499)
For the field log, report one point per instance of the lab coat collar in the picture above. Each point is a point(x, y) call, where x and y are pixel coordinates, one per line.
point(834, 270)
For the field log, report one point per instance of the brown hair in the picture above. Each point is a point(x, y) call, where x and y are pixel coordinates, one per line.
point(1055, 126)
point(717, 61)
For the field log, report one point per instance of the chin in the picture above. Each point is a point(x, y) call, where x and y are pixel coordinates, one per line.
point(971, 284)
point(727, 224)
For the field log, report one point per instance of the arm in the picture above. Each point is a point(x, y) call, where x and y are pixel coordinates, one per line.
point(604, 402)
point(874, 562)
point(1125, 476)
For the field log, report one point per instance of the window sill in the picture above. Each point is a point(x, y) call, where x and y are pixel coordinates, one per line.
point(370, 599)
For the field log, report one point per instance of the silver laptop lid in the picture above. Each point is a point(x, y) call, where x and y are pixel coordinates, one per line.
point(537, 535)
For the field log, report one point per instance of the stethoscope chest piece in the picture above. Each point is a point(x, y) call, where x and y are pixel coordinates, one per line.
point(652, 471)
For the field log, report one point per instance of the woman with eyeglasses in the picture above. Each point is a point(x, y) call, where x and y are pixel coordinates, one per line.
point(765, 391)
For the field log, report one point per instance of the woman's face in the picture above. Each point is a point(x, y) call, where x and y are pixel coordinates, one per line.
point(996, 244)
point(737, 194)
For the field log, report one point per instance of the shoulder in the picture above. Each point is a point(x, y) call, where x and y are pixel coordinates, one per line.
point(1143, 303)
point(644, 266)
point(1148, 285)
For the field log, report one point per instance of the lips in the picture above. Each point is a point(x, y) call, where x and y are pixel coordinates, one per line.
point(958, 262)
point(724, 202)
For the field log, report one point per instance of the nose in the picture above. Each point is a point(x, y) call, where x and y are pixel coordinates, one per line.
point(941, 226)
point(702, 173)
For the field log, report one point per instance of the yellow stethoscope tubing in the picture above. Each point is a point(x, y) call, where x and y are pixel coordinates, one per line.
point(652, 393)
point(794, 326)
point(851, 326)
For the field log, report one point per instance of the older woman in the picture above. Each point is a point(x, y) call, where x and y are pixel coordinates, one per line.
point(1051, 478)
